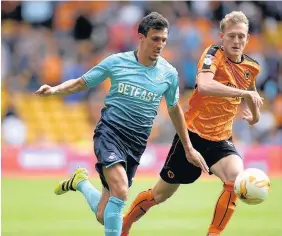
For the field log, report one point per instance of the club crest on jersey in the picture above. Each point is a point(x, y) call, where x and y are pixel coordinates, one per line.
point(160, 77)
point(247, 75)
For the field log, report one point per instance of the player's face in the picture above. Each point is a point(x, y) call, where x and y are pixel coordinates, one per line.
point(234, 38)
point(154, 43)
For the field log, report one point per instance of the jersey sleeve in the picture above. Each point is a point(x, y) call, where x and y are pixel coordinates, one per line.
point(253, 82)
point(210, 60)
point(99, 73)
point(172, 93)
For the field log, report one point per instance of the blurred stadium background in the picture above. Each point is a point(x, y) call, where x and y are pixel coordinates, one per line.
point(44, 139)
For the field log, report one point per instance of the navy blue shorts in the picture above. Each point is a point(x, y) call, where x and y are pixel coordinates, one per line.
point(109, 150)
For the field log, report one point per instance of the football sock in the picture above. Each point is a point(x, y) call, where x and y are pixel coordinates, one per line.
point(142, 203)
point(224, 208)
point(113, 216)
point(91, 194)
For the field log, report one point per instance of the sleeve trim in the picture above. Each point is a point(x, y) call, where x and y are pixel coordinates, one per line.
point(85, 80)
point(173, 104)
point(204, 71)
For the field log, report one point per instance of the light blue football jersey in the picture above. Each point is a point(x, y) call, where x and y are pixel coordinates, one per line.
point(135, 94)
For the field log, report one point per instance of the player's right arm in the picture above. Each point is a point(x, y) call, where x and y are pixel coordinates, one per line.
point(90, 79)
point(207, 68)
point(210, 87)
point(68, 87)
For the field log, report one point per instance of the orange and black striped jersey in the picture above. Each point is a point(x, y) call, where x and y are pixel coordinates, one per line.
point(212, 117)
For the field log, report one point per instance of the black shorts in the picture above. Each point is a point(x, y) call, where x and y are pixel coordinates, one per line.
point(177, 170)
point(109, 150)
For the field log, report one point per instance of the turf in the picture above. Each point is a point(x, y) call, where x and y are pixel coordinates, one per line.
point(29, 208)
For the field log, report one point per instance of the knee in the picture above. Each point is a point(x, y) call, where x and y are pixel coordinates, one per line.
point(231, 177)
point(160, 196)
point(120, 192)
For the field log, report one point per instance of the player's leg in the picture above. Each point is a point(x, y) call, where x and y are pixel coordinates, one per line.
point(107, 154)
point(79, 181)
point(163, 191)
point(226, 169)
point(145, 200)
point(117, 180)
point(102, 205)
point(177, 170)
point(91, 194)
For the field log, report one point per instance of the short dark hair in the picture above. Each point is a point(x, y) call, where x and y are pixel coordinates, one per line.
point(154, 21)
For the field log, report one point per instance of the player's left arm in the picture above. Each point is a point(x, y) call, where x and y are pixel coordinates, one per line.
point(193, 156)
point(252, 114)
point(177, 117)
point(175, 111)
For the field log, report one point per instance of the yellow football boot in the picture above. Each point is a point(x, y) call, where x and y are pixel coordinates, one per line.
point(71, 184)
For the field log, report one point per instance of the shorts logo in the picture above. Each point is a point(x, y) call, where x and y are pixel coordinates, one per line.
point(170, 174)
point(112, 157)
point(229, 143)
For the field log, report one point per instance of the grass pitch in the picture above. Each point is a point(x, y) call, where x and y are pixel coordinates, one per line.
point(30, 208)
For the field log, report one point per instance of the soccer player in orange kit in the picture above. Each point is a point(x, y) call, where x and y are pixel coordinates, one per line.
point(225, 76)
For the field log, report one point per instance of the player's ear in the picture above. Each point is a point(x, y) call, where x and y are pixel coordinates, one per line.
point(141, 36)
point(248, 37)
point(221, 36)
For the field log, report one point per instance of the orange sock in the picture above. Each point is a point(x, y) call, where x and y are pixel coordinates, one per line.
point(142, 203)
point(224, 209)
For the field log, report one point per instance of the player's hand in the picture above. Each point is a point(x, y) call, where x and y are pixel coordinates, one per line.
point(248, 116)
point(195, 158)
point(45, 90)
point(253, 97)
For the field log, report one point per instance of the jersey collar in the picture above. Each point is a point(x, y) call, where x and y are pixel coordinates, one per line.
point(242, 59)
point(135, 54)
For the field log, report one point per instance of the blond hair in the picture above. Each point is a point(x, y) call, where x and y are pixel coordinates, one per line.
point(234, 17)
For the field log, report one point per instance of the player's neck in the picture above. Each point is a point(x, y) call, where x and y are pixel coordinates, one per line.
point(144, 60)
point(236, 59)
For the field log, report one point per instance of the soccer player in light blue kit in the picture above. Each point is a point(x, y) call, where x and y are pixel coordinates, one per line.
point(139, 80)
